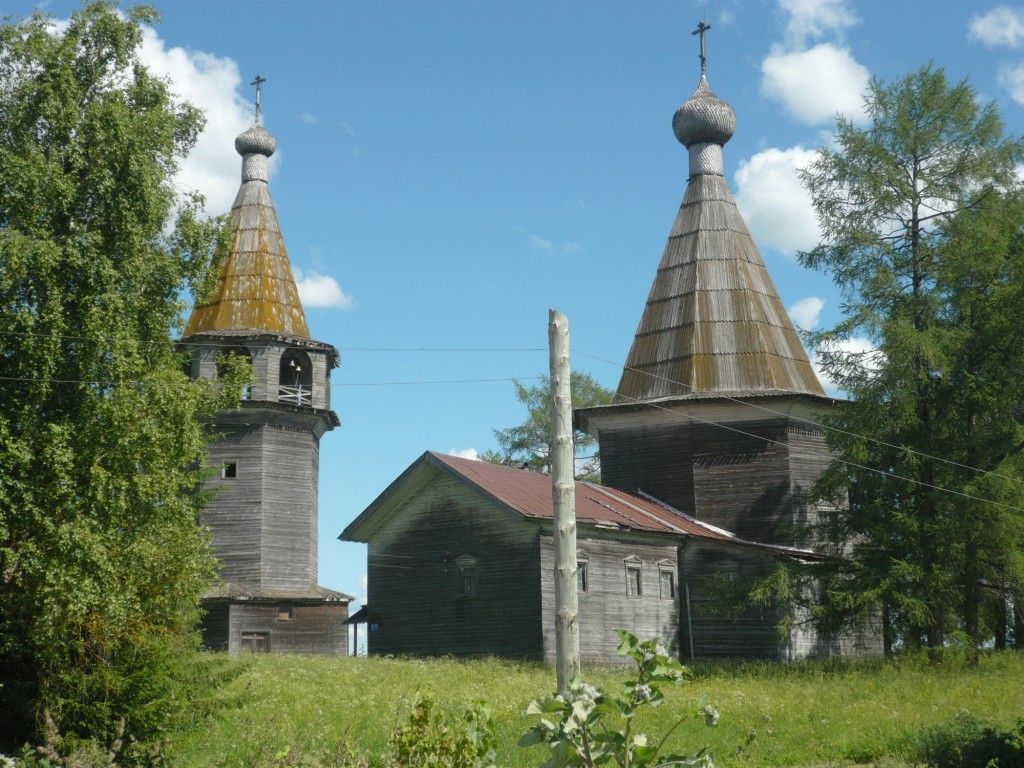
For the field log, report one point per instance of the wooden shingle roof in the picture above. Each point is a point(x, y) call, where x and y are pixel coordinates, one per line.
point(714, 323)
point(255, 289)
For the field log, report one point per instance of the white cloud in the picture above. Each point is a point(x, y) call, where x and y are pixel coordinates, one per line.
point(540, 245)
point(816, 84)
point(308, 118)
point(320, 291)
point(210, 83)
point(806, 313)
point(813, 19)
point(468, 453)
point(868, 353)
point(1012, 79)
point(775, 206)
point(1000, 26)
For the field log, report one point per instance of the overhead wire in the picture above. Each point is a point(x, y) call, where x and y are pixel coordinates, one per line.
point(476, 350)
point(824, 427)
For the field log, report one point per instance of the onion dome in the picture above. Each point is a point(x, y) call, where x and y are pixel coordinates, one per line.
point(704, 118)
point(255, 140)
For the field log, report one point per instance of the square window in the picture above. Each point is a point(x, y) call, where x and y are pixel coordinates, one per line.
point(667, 584)
point(229, 470)
point(634, 586)
point(285, 612)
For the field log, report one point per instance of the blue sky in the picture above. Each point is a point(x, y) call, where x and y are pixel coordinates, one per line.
point(450, 170)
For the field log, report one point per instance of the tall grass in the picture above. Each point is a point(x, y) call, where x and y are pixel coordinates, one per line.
point(808, 714)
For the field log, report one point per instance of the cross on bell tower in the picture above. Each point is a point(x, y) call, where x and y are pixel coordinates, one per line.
point(700, 30)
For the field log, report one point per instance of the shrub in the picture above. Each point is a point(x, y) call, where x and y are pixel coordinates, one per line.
point(967, 742)
point(577, 727)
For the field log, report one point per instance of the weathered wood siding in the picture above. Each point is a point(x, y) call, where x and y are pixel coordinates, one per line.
point(752, 634)
point(414, 589)
point(234, 514)
point(606, 606)
point(317, 629)
point(291, 456)
point(735, 479)
point(264, 520)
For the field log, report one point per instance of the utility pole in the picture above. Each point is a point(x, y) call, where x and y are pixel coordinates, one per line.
point(563, 496)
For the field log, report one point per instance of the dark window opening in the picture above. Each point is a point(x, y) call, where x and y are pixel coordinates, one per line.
point(229, 470)
point(582, 577)
point(467, 580)
point(285, 612)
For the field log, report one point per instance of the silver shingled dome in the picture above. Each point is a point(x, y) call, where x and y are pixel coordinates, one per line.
point(255, 140)
point(704, 118)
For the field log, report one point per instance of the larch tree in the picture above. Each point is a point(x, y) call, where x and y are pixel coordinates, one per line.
point(102, 560)
point(529, 444)
point(921, 218)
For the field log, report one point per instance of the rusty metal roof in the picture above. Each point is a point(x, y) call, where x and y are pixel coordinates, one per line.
point(714, 323)
point(255, 287)
point(528, 494)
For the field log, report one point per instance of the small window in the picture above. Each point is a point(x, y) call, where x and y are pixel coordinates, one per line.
point(285, 612)
point(582, 577)
point(667, 583)
point(634, 583)
point(467, 574)
point(257, 642)
point(467, 580)
point(229, 470)
point(582, 574)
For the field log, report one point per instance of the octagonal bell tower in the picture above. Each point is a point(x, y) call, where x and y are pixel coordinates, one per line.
point(263, 516)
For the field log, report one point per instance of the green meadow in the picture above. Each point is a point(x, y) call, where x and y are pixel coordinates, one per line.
point(277, 710)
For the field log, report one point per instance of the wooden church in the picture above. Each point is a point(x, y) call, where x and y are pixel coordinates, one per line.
point(708, 453)
point(263, 517)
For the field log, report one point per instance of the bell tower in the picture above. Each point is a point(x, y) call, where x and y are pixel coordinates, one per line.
point(266, 454)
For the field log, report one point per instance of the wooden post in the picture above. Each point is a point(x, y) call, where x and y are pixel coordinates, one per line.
point(563, 496)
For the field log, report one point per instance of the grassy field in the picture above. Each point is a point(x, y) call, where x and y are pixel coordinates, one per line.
point(813, 714)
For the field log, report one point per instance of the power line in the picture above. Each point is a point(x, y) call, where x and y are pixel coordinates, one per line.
point(810, 422)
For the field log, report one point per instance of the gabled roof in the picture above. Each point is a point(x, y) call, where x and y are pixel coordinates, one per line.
point(714, 323)
point(528, 495)
point(255, 289)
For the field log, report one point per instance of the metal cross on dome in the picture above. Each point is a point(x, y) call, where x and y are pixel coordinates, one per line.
point(700, 30)
point(259, 81)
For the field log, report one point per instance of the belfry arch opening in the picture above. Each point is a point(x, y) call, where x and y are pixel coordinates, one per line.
point(295, 382)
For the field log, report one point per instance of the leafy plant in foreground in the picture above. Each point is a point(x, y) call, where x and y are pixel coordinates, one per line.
point(445, 742)
point(577, 730)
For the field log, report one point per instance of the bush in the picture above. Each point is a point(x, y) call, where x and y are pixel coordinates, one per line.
point(967, 742)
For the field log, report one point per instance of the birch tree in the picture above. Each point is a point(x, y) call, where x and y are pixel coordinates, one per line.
point(102, 561)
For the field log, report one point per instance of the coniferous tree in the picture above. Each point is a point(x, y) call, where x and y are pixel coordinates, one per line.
point(921, 218)
point(102, 560)
point(529, 443)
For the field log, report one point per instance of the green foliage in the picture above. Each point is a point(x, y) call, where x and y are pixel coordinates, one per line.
point(101, 439)
point(530, 442)
point(576, 728)
point(922, 215)
point(812, 713)
point(967, 742)
point(442, 741)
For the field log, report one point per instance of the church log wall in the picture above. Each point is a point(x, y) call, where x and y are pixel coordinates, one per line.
point(416, 578)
